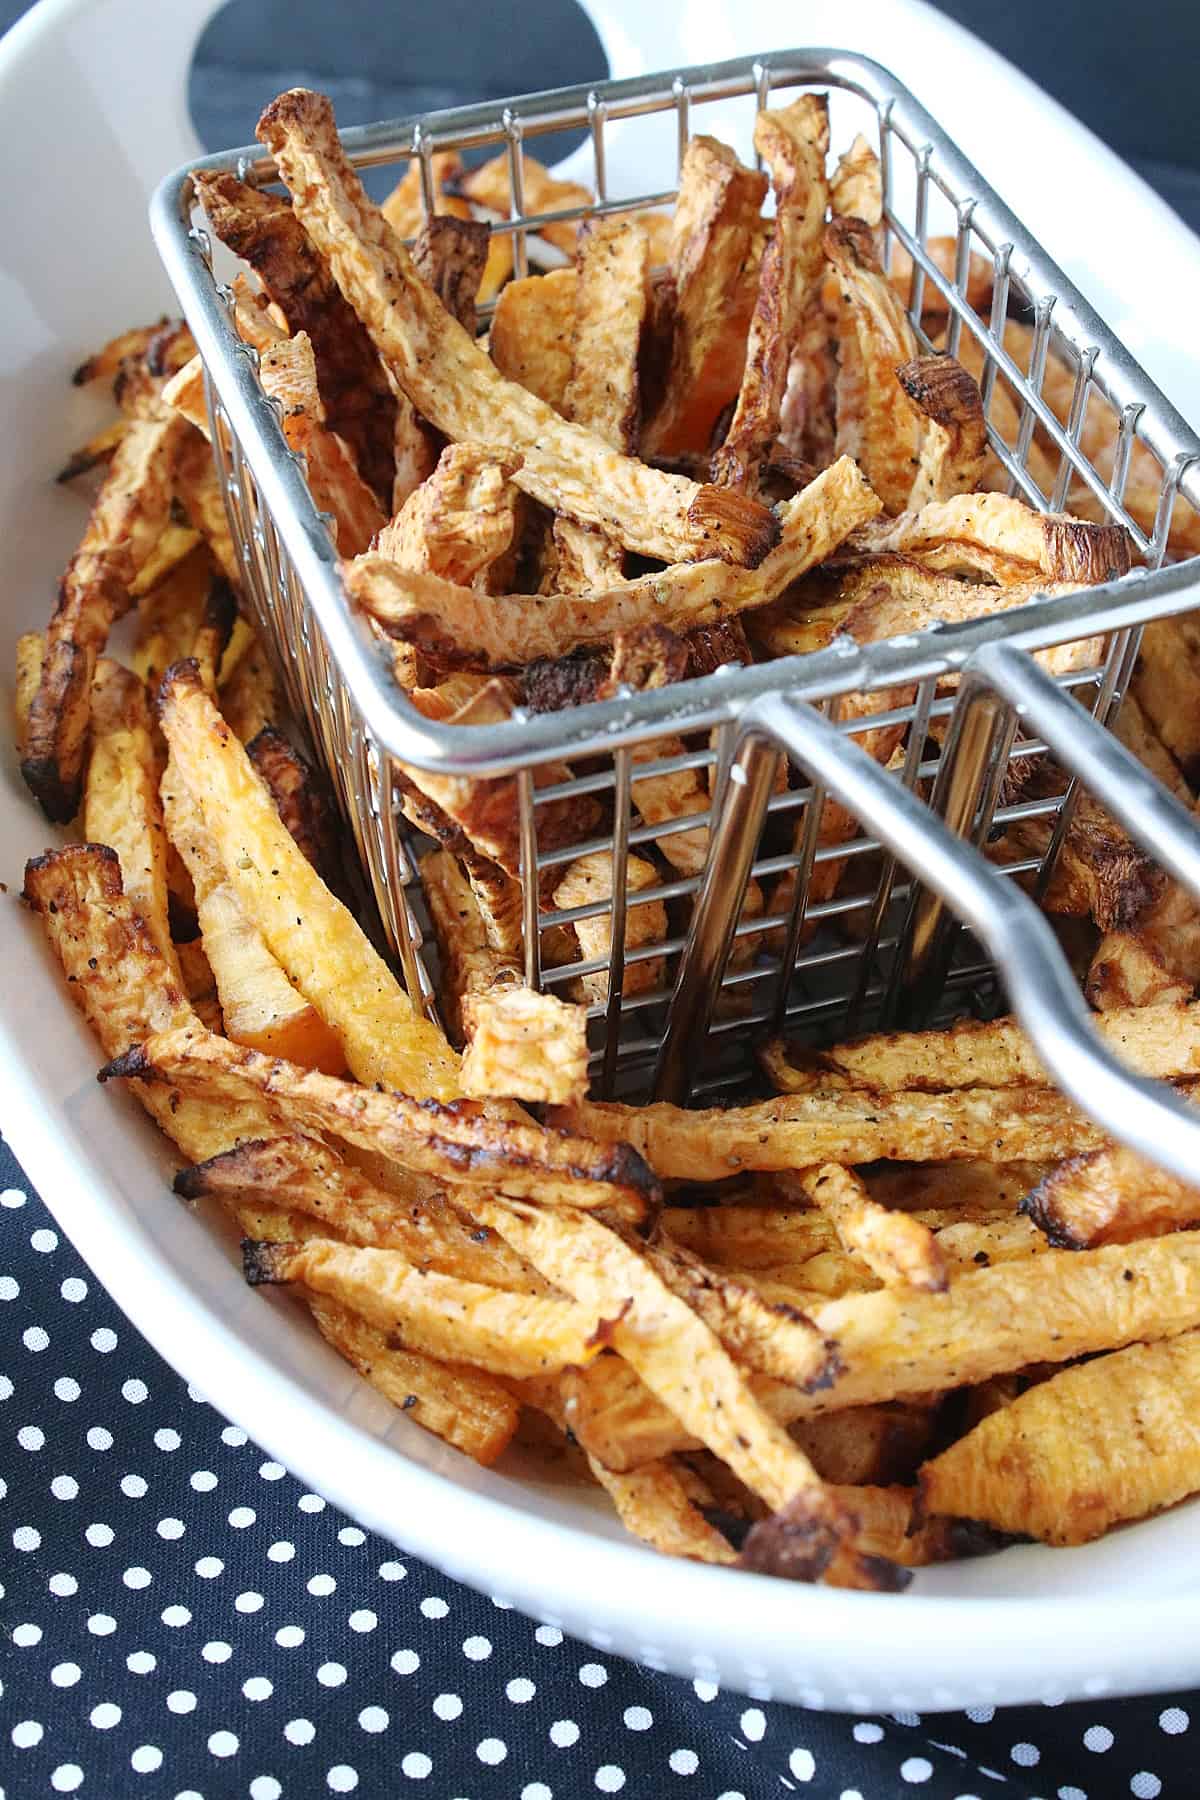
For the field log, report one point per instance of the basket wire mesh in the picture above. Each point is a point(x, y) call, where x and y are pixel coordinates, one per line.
point(827, 956)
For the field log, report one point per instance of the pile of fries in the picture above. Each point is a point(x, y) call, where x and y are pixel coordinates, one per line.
point(873, 1322)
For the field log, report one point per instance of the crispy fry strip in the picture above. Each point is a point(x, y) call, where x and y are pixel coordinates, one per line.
point(1061, 548)
point(1115, 1439)
point(301, 798)
point(589, 880)
point(954, 446)
point(511, 630)
point(121, 805)
point(524, 1046)
point(876, 337)
point(769, 1335)
point(461, 522)
point(490, 185)
point(533, 329)
point(453, 383)
point(1109, 1197)
point(895, 1246)
point(288, 373)
point(460, 1142)
point(451, 254)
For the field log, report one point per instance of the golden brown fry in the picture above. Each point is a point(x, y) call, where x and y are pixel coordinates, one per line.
point(265, 232)
point(762, 1333)
point(1115, 1439)
point(121, 806)
point(856, 1127)
point(856, 185)
point(653, 1503)
point(318, 944)
point(440, 1315)
point(896, 1247)
point(883, 429)
point(214, 631)
point(170, 615)
point(461, 524)
point(511, 630)
point(460, 1142)
point(532, 333)
point(288, 373)
point(587, 882)
point(793, 142)
point(130, 514)
point(455, 385)
point(716, 243)
point(1060, 547)
point(524, 1046)
point(490, 185)
point(403, 207)
point(465, 1407)
point(451, 255)
point(99, 449)
point(469, 963)
point(881, 1444)
point(954, 444)
point(302, 800)
point(31, 654)
point(198, 492)
point(1108, 1197)
point(105, 363)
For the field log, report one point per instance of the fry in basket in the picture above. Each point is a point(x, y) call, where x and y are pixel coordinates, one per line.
point(288, 374)
point(302, 800)
point(533, 330)
point(1110, 1196)
point(589, 882)
point(954, 442)
point(454, 384)
point(463, 522)
point(524, 1046)
point(1053, 544)
point(895, 1246)
point(451, 255)
point(490, 185)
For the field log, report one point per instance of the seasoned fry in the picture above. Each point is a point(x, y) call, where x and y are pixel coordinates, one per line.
point(896, 1247)
point(470, 1410)
point(105, 363)
point(99, 450)
point(169, 616)
point(653, 1503)
point(31, 654)
point(121, 806)
point(302, 800)
point(793, 142)
point(764, 1334)
point(532, 334)
point(461, 1142)
point(1114, 1439)
point(462, 522)
point(198, 493)
point(490, 185)
point(954, 446)
point(883, 429)
point(503, 1334)
point(288, 373)
point(511, 630)
point(451, 255)
point(589, 882)
point(130, 514)
point(470, 963)
point(249, 700)
point(455, 385)
point(1061, 548)
point(524, 1046)
point(1109, 1197)
point(316, 941)
point(403, 208)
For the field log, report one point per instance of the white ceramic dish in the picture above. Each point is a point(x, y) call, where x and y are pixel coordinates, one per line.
point(92, 112)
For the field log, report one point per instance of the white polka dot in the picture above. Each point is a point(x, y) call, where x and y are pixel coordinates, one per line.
point(342, 1779)
point(980, 1715)
point(141, 1662)
point(803, 1765)
point(66, 1778)
point(73, 1289)
point(593, 1675)
point(6, 1388)
point(249, 1602)
point(867, 1732)
point(477, 1648)
point(289, 1636)
point(272, 1471)
point(65, 1674)
point(434, 1607)
point(392, 1571)
point(729, 1794)
point(203, 1481)
point(491, 1750)
point(10, 1287)
point(241, 1516)
point(405, 1662)
point(170, 1528)
point(209, 1566)
point(217, 1651)
point(26, 1636)
point(99, 1438)
point(374, 1718)
point(548, 1634)
point(223, 1743)
point(684, 1762)
point(363, 1619)
point(447, 1706)
point(265, 1787)
point(638, 1718)
point(416, 1765)
point(12, 1197)
point(1097, 1737)
point(31, 1437)
point(137, 1577)
point(1026, 1756)
point(133, 1487)
point(536, 1790)
point(281, 1551)
point(520, 1690)
point(134, 1391)
point(331, 1674)
point(233, 1435)
point(258, 1688)
point(907, 1718)
point(182, 1700)
point(176, 1616)
point(705, 1690)
point(28, 1733)
point(146, 1758)
point(311, 1503)
point(62, 1585)
point(915, 1768)
point(299, 1731)
point(105, 1716)
point(1064, 1793)
point(44, 1240)
point(99, 1536)
point(564, 1733)
point(320, 1585)
point(754, 1724)
point(351, 1536)
point(1173, 1720)
point(67, 1389)
point(610, 1779)
point(101, 1624)
point(1145, 1786)
point(35, 1338)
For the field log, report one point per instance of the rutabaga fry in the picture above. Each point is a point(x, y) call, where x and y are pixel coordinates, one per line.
point(1059, 547)
point(771, 1336)
point(454, 384)
point(440, 1315)
point(895, 1246)
point(288, 374)
point(524, 1046)
point(302, 800)
point(459, 1142)
point(954, 443)
point(462, 521)
point(1109, 1197)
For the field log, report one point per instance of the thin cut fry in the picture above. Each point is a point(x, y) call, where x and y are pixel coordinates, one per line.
point(451, 255)
point(490, 185)
point(288, 373)
point(121, 804)
point(886, 430)
point(532, 333)
point(895, 1246)
point(1062, 548)
point(462, 523)
point(249, 700)
point(1109, 1197)
point(30, 655)
point(954, 445)
point(302, 800)
point(589, 881)
point(524, 1046)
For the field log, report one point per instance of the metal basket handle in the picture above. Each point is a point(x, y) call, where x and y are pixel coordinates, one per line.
point(1144, 1114)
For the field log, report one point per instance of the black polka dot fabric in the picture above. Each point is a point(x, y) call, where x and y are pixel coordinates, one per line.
point(181, 1619)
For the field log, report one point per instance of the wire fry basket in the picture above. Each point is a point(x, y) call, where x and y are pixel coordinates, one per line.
point(823, 957)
